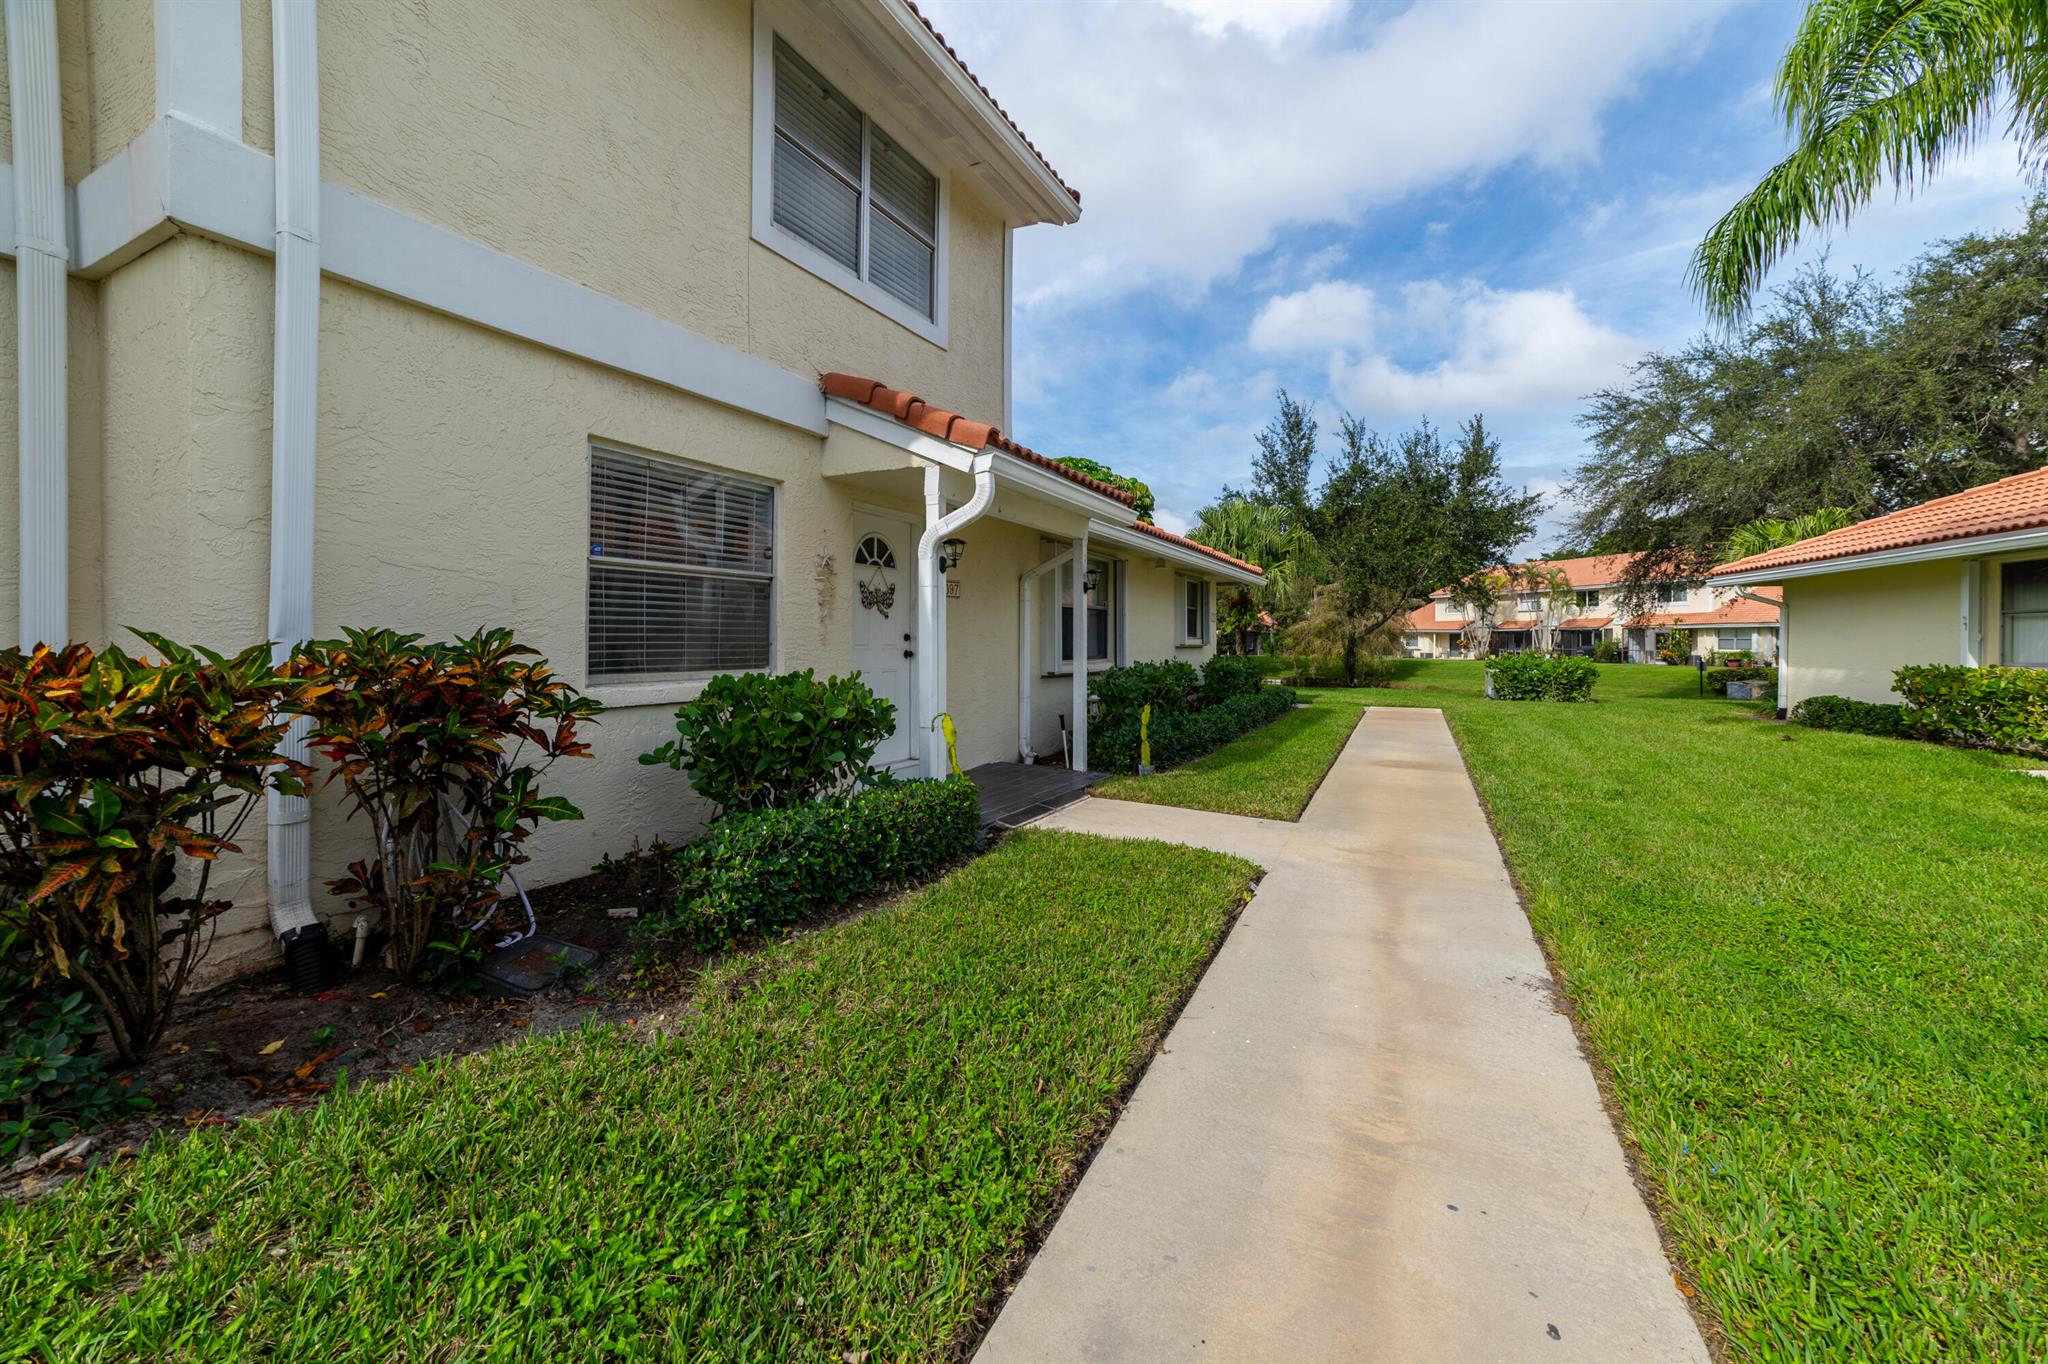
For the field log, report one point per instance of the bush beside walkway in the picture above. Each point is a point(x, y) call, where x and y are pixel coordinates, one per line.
point(1269, 773)
point(840, 1149)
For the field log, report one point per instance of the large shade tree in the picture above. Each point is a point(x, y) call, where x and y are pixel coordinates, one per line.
point(1877, 91)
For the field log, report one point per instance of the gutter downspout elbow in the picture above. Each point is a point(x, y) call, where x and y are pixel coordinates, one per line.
point(931, 602)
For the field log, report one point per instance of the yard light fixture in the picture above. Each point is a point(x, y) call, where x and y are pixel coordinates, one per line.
point(949, 553)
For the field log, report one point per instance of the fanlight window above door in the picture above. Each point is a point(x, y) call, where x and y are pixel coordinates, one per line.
point(874, 550)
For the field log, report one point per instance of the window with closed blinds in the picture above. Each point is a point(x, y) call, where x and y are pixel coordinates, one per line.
point(849, 189)
point(681, 570)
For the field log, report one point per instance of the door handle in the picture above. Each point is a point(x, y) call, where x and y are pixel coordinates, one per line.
point(909, 653)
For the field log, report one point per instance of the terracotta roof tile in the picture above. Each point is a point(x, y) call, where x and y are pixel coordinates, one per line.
point(2016, 503)
point(914, 411)
point(1158, 534)
point(965, 70)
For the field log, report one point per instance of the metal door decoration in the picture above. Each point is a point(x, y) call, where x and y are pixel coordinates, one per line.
point(877, 593)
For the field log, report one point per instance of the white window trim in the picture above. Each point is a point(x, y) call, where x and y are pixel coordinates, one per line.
point(1181, 638)
point(1113, 573)
point(769, 19)
point(674, 688)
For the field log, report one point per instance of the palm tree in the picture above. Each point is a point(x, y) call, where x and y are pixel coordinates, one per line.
point(1768, 533)
point(1258, 534)
point(1875, 90)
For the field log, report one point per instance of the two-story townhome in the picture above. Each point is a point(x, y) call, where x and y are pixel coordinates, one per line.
point(1719, 618)
point(674, 334)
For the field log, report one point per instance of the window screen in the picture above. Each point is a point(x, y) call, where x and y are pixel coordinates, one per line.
point(836, 174)
point(2023, 615)
point(681, 569)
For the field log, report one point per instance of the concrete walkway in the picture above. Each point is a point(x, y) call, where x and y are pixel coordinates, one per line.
point(1370, 1136)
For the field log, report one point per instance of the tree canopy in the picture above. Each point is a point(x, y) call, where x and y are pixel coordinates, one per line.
point(1870, 91)
point(1841, 392)
point(1143, 504)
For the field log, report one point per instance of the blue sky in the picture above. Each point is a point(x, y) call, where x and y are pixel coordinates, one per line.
point(1394, 210)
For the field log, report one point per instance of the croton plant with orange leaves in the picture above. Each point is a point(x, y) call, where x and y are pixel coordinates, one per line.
point(123, 780)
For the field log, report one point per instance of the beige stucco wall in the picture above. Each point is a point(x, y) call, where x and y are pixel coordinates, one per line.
point(106, 73)
point(612, 144)
point(1848, 632)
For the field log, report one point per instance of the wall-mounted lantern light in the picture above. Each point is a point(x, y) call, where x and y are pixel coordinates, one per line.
point(1091, 580)
point(949, 553)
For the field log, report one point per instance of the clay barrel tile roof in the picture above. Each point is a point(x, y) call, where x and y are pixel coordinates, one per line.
point(2016, 503)
point(914, 411)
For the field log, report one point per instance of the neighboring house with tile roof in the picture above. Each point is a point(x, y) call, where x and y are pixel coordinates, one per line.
point(1718, 618)
point(547, 316)
point(1959, 579)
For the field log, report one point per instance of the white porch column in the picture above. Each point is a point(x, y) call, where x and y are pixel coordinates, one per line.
point(1973, 612)
point(1024, 580)
point(1080, 757)
point(42, 259)
point(293, 416)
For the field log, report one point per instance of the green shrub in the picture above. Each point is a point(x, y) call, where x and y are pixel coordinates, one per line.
point(1607, 649)
point(1542, 677)
point(1740, 672)
point(756, 741)
point(51, 1084)
point(1178, 738)
point(1224, 677)
point(1168, 686)
point(2004, 708)
point(1881, 718)
point(761, 870)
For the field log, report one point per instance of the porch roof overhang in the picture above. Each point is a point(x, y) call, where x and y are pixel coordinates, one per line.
point(1195, 562)
point(1970, 547)
point(868, 449)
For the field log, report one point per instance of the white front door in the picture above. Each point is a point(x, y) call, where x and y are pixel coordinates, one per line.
point(885, 620)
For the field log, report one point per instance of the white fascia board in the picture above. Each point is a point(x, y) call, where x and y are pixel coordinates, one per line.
point(1974, 546)
point(856, 417)
point(1202, 565)
point(1029, 173)
point(1043, 483)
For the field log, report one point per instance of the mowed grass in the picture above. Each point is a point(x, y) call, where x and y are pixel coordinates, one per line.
point(840, 1152)
point(1816, 968)
point(1270, 772)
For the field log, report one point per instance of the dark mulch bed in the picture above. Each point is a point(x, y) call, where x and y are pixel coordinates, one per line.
point(254, 1044)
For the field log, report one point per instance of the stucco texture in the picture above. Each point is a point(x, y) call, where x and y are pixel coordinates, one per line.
point(1848, 632)
point(486, 119)
point(106, 72)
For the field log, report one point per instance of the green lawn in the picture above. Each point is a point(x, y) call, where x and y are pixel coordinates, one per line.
point(1816, 968)
point(840, 1151)
point(1270, 772)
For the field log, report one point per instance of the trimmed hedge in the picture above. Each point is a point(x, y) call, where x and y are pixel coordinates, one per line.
point(1881, 718)
point(1169, 687)
point(1224, 677)
point(1718, 678)
point(766, 869)
point(1542, 677)
point(1983, 707)
point(1178, 738)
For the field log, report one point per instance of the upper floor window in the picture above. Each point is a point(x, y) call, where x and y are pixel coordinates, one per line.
point(848, 201)
point(1529, 601)
point(2023, 615)
point(1588, 598)
point(1672, 594)
point(682, 570)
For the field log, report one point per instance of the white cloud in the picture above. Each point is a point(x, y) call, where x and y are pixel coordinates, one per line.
point(1333, 315)
point(1505, 351)
point(1194, 147)
point(1274, 21)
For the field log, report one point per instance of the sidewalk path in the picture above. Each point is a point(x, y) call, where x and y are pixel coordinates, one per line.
point(1371, 1135)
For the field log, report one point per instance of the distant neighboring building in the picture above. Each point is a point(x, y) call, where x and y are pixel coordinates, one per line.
point(1960, 579)
point(1721, 619)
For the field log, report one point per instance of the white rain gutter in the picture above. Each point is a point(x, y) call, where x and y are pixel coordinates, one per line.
point(294, 414)
point(42, 258)
point(931, 601)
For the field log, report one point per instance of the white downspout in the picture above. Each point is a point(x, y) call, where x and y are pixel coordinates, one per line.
point(1079, 761)
point(1024, 750)
point(1784, 633)
point(931, 602)
point(294, 414)
point(42, 261)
